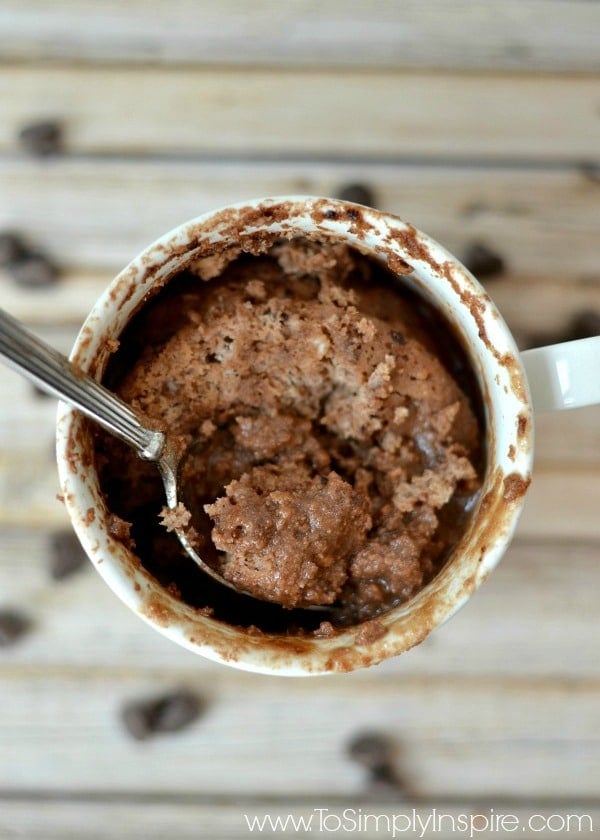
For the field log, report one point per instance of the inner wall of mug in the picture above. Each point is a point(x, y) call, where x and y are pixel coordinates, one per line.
point(443, 282)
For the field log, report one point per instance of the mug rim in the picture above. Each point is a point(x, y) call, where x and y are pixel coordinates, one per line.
point(436, 275)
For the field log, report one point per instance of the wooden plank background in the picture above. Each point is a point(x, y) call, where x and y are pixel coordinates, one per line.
point(442, 34)
point(478, 123)
point(288, 111)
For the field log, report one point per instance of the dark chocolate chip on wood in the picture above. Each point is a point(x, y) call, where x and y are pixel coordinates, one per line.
point(66, 555)
point(527, 341)
point(374, 751)
point(13, 625)
point(41, 138)
point(12, 248)
point(590, 171)
point(371, 749)
point(34, 271)
point(482, 261)
point(169, 713)
point(357, 193)
point(176, 711)
point(584, 324)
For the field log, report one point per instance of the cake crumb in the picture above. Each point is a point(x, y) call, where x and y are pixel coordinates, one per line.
point(256, 290)
point(325, 630)
point(175, 519)
point(369, 632)
point(120, 529)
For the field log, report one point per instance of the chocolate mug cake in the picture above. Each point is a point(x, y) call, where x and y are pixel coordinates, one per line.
point(338, 427)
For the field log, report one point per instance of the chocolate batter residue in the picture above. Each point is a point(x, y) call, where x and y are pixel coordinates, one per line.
point(339, 455)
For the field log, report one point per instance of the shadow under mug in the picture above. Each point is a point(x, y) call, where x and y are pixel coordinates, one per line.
point(558, 377)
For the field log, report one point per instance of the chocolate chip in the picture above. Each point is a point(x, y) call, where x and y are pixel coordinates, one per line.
point(483, 261)
point(371, 749)
point(66, 555)
point(137, 720)
point(177, 711)
point(13, 625)
point(398, 337)
point(170, 713)
point(28, 267)
point(34, 271)
point(385, 775)
point(590, 171)
point(41, 138)
point(375, 752)
point(357, 194)
point(584, 324)
point(12, 248)
point(527, 341)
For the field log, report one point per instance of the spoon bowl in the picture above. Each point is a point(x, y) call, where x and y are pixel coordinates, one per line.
point(55, 374)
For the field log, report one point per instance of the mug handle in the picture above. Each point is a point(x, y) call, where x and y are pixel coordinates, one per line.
point(564, 375)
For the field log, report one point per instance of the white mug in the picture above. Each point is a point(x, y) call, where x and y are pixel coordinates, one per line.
point(561, 376)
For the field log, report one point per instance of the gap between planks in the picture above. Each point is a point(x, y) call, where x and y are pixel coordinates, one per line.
point(543, 223)
point(69, 817)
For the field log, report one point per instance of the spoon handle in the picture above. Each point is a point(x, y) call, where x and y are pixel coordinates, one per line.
point(54, 373)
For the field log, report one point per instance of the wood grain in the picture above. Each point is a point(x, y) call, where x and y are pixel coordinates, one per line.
point(288, 112)
point(449, 34)
point(173, 108)
point(262, 735)
point(543, 222)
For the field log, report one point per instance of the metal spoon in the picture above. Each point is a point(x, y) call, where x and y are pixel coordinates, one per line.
point(54, 373)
